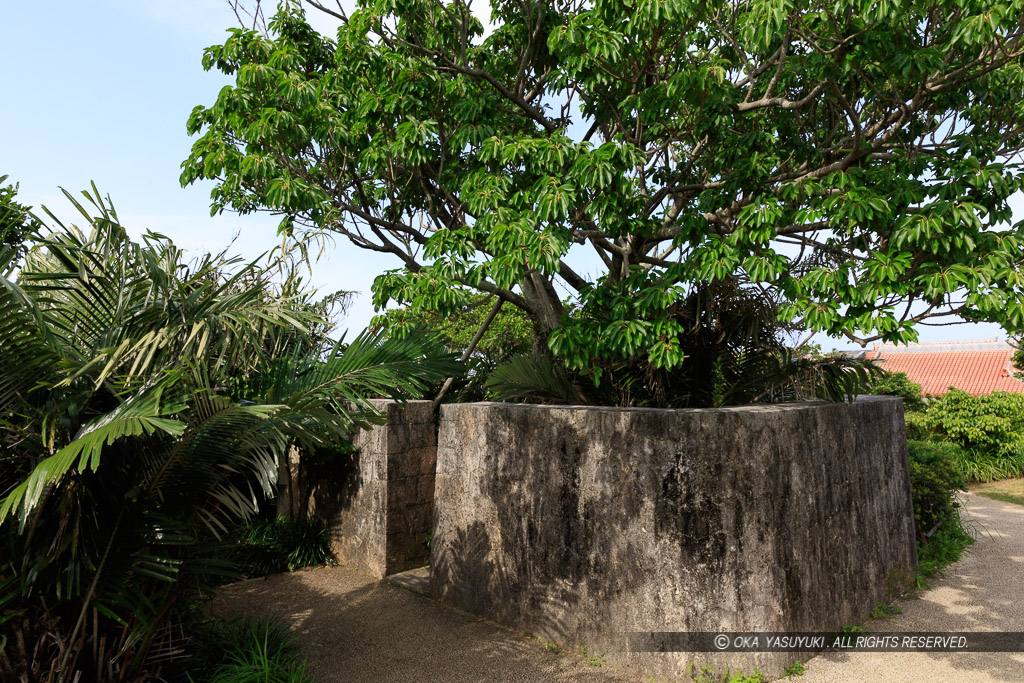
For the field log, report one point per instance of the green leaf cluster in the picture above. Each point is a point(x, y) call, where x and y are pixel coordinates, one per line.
point(142, 420)
point(853, 161)
point(16, 225)
point(990, 424)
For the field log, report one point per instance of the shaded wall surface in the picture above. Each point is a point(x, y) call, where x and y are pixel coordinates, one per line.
point(379, 501)
point(584, 525)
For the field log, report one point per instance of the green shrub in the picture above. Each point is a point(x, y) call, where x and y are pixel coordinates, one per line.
point(991, 425)
point(245, 650)
point(917, 426)
point(934, 481)
point(898, 384)
point(284, 544)
point(985, 433)
point(943, 549)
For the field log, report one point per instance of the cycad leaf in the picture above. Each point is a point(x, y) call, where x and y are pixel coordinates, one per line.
point(531, 377)
point(143, 414)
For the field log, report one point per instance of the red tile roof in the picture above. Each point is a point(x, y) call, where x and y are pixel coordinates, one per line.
point(977, 367)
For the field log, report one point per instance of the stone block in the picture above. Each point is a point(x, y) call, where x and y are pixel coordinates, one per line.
point(413, 462)
point(586, 525)
point(375, 506)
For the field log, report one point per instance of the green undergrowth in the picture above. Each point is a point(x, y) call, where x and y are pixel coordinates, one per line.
point(708, 674)
point(884, 611)
point(983, 469)
point(975, 466)
point(797, 668)
point(935, 480)
point(243, 651)
point(284, 544)
point(983, 436)
point(945, 547)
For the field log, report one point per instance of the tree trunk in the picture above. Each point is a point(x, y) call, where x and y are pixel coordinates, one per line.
point(546, 309)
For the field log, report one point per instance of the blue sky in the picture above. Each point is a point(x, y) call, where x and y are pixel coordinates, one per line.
point(101, 91)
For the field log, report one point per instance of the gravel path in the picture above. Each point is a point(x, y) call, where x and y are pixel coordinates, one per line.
point(354, 628)
point(982, 592)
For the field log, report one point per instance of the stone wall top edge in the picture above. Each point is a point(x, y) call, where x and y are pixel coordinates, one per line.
point(757, 408)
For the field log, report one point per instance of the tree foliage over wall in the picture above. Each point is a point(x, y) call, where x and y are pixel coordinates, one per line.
point(850, 160)
point(898, 384)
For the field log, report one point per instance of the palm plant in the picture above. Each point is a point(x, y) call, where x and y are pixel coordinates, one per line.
point(144, 404)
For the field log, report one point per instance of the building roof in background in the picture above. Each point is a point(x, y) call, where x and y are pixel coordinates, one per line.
point(977, 367)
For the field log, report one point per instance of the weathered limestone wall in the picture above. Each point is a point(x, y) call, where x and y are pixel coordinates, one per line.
point(582, 525)
point(379, 505)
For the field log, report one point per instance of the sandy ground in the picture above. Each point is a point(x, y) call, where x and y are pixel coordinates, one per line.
point(982, 592)
point(354, 628)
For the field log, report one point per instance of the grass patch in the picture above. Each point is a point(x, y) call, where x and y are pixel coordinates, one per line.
point(795, 669)
point(245, 650)
point(979, 468)
point(599, 660)
point(884, 611)
point(1009, 491)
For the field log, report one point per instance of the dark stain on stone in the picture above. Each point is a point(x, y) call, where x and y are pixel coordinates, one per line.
point(676, 517)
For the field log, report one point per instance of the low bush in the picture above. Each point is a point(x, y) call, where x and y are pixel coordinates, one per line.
point(284, 544)
point(244, 650)
point(935, 479)
point(991, 424)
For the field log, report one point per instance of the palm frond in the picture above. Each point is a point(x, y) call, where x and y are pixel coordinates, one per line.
point(26, 354)
point(528, 376)
point(374, 365)
point(141, 414)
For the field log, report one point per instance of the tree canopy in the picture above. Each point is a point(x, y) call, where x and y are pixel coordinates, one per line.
point(16, 223)
point(852, 161)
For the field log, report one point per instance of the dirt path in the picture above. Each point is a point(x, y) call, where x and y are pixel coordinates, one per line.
point(982, 592)
point(353, 628)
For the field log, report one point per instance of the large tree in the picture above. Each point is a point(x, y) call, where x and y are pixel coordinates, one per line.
point(851, 159)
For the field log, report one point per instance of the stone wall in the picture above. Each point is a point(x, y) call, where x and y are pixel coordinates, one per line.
point(379, 502)
point(584, 525)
